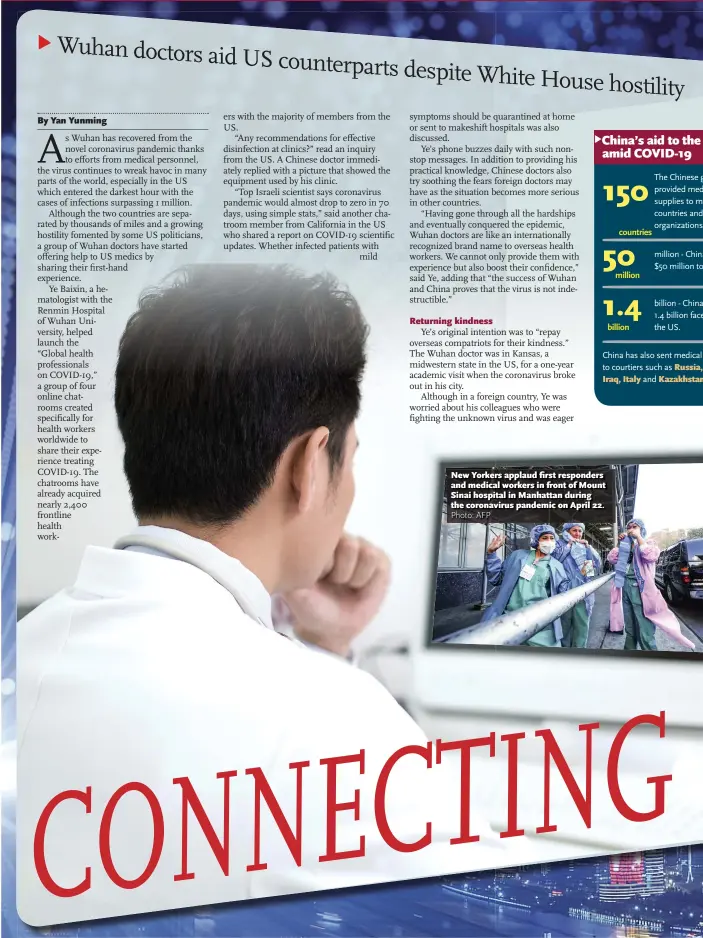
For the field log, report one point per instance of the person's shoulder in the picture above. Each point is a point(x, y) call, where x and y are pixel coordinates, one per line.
point(55, 607)
point(518, 556)
point(341, 695)
point(334, 675)
point(238, 651)
point(348, 706)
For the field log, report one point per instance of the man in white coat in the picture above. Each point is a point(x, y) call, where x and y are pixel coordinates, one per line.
point(173, 748)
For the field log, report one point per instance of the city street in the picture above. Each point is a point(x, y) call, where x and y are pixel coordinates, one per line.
point(691, 618)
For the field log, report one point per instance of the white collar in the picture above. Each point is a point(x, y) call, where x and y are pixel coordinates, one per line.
point(245, 586)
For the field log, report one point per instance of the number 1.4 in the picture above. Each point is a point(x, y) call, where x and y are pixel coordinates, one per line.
point(632, 310)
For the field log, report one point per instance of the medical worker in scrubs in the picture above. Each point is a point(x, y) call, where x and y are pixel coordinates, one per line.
point(581, 563)
point(526, 577)
point(636, 605)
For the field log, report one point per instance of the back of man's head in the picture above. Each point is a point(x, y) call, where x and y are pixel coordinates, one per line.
point(219, 370)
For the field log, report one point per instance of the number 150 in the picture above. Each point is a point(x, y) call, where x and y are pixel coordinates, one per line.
point(625, 194)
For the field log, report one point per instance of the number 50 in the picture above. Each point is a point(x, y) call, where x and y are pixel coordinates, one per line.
point(613, 258)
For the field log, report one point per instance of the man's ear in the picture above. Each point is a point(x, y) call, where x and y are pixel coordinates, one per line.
point(311, 468)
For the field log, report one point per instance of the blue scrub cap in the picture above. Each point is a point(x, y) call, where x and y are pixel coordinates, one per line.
point(572, 524)
point(538, 531)
point(639, 523)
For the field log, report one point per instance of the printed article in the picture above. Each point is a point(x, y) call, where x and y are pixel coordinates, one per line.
point(233, 242)
point(511, 539)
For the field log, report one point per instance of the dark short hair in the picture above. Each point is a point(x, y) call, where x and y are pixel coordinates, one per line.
point(220, 368)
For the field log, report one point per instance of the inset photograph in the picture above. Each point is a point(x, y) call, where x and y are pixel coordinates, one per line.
point(606, 557)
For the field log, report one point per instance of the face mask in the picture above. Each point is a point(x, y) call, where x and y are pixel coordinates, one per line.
point(547, 546)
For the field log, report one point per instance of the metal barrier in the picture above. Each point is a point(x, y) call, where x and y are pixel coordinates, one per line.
point(515, 628)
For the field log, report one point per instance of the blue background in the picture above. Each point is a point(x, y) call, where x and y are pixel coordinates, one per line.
point(528, 902)
point(609, 219)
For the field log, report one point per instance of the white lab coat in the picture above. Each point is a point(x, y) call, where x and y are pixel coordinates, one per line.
point(149, 669)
